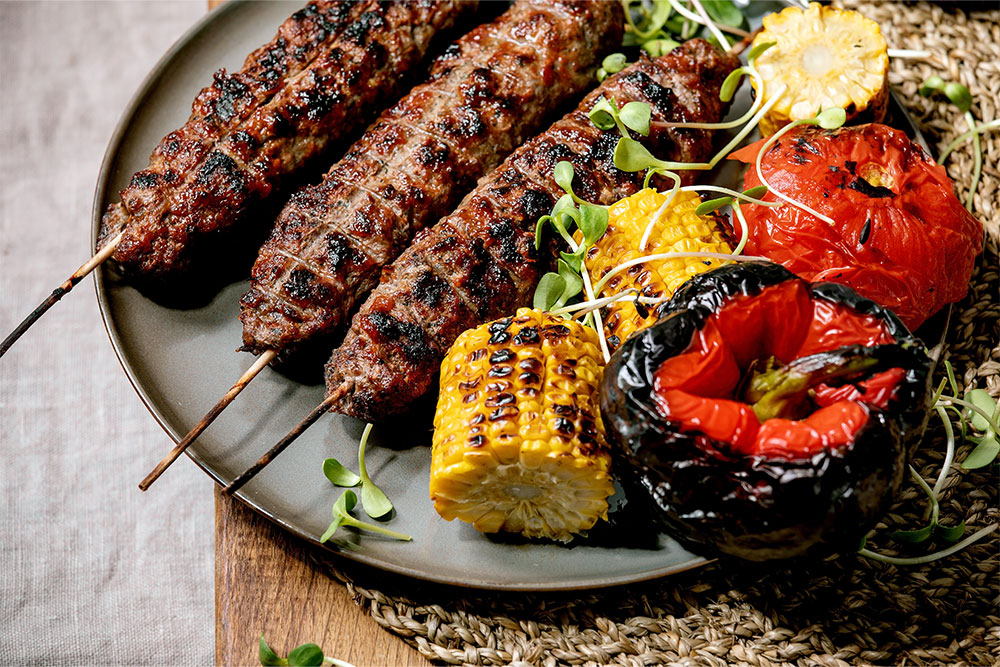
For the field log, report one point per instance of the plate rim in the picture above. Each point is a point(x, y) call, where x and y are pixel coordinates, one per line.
point(102, 275)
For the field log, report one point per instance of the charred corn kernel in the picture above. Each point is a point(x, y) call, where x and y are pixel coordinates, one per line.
point(827, 57)
point(677, 229)
point(518, 441)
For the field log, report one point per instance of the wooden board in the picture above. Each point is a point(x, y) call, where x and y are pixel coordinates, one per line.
point(266, 583)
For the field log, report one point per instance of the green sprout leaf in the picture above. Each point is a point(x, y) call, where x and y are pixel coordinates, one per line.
point(539, 228)
point(931, 85)
point(341, 510)
point(959, 95)
point(603, 114)
point(956, 93)
point(713, 205)
point(659, 47)
point(982, 400)
point(757, 192)
point(342, 517)
point(375, 502)
point(306, 655)
point(950, 533)
point(731, 83)
point(574, 259)
point(659, 15)
point(549, 289)
point(563, 175)
point(593, 223)
point(373, 499)
point(832, 118)
point(724, 12)
point(572, 280)
point(756, 51)
point(338, 474)
point(630, 156)
point(950, 371)
point(635, 116)
point(984, 454)
point(614, 63)
point(267, 657)
point(914, 536)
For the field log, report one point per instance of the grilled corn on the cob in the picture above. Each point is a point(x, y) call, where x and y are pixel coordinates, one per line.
point(677, 229)
point(826, 57)
point(518, 441)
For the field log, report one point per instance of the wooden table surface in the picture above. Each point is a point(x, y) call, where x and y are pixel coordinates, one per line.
point(266, 583)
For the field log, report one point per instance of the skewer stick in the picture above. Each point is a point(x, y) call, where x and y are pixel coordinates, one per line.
point(60, 291)
point(272, 453)
point(262, 361)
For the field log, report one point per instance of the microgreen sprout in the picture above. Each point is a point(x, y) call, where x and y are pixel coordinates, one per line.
point(612, 64)
point(744, 228)
point(305, 655)
point(655, 218)
point(960, 96)
point(342, 517)
point(556, 288)
point(979, 413)
point(634, 116)
point(728, 90)
point(632, 156)
point(750, 196)
point(828, 119)
point(657, 26)
point(373, 499)
point(919, 560)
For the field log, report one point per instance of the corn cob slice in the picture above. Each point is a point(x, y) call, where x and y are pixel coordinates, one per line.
point(827, 57)
point(518, 441)
point(677, 229)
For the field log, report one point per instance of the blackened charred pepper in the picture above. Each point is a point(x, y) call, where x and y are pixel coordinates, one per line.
point(767, 417)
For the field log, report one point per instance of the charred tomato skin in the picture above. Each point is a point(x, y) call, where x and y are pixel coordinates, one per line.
point(750, 506)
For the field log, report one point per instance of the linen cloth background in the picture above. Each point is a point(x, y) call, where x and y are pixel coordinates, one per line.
point(92, 571)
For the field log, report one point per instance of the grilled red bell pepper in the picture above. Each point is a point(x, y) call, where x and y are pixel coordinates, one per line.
point(767, 417)
point(900, 236)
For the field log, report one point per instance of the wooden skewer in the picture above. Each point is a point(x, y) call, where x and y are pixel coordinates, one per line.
point(60, 291)
point(272, 453)
point(262, 361)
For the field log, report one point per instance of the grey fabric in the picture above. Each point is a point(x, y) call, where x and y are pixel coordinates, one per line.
point(92, 571)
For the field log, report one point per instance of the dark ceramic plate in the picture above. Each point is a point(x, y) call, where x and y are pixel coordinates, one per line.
point(180, 361)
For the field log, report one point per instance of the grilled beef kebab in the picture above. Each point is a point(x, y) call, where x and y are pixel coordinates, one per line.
point(480, 262)
point(246, 136)
point(316, 82)
point(489, 92)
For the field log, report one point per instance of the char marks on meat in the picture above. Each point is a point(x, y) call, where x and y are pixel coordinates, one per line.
point(329, 64)
point(480, 263)
point(486, 95)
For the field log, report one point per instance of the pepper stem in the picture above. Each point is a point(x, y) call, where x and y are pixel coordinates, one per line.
point(784, 392)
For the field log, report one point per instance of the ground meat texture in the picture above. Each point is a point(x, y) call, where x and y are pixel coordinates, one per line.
point(315, 82)
point(486, 95)
point(484, 253)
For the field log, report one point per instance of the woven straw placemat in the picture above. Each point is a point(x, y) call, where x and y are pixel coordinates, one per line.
point(848, 610)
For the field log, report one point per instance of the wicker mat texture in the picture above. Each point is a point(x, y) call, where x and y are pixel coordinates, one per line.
point(848, 610)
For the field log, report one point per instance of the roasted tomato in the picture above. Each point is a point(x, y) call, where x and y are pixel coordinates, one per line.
point(900, 236)
point(766, 417)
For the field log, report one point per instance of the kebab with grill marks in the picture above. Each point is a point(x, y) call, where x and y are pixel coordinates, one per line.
point(488, 93)
point(480, 262)
point(330, 64)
